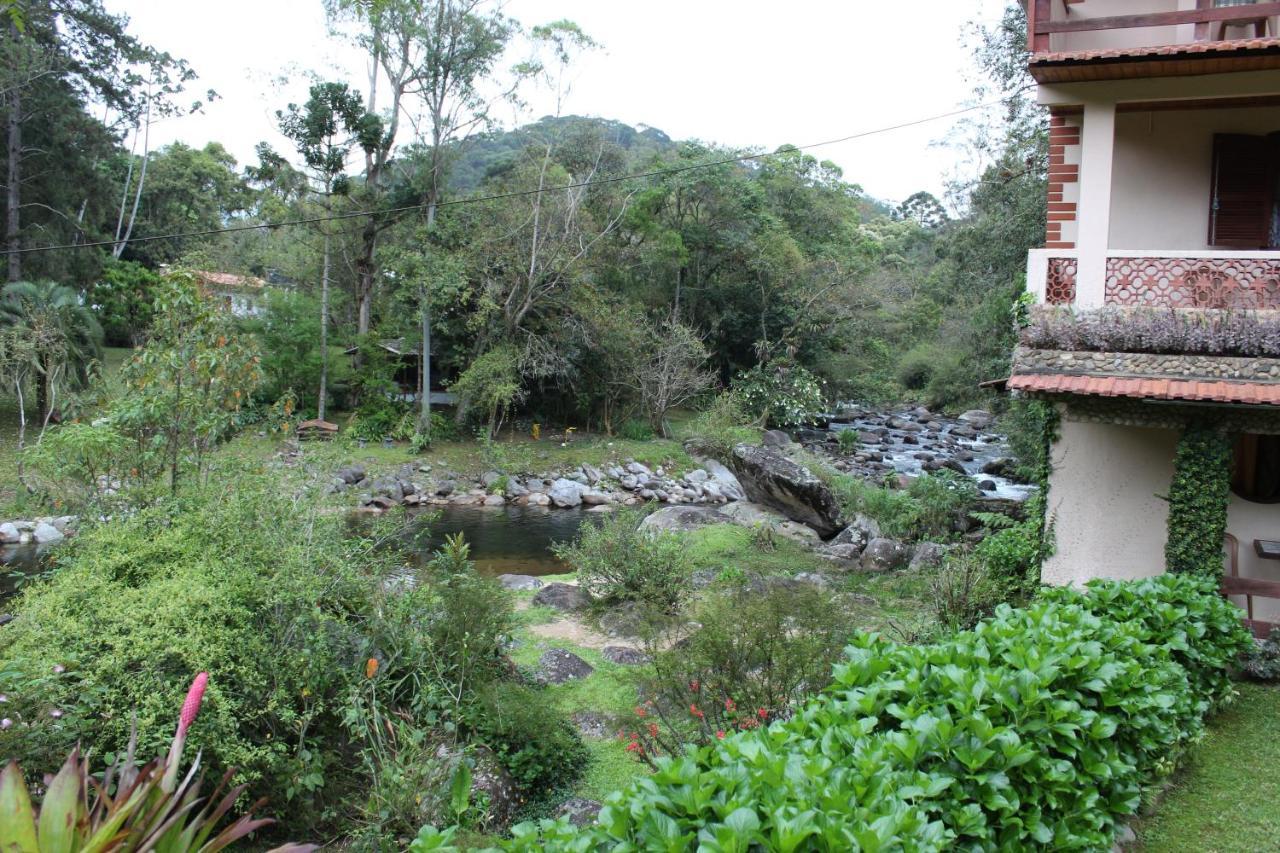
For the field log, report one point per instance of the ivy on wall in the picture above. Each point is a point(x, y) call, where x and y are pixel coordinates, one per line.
point(1198, 500)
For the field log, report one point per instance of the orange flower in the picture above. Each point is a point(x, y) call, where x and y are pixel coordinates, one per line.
point(371, 668)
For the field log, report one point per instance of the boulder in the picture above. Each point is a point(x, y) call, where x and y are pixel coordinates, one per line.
point(840, 553)
point(520, 582)
point(592, 473)
point(9, 533)
point(566, 493)
point(637, 468)
point(1001, 467)
point(595, 497)
point(775, 438)
point(495, 500)
point(725, 481)
point(775, 481)
point(46, 533)
point(748, 514)
point(488, 478)
point(556, 666)
point(679, 519)
point(859, 532)
point(490, 783)
point(594, 724)
point(445, 488)
point(538, 499)
point(624, 656)
point(580, 812)
point(627, 620)
point(980, 418)
point(351, 474)
point(928, 555)
point(883, 555)
point(516, 489)
point(562, 596)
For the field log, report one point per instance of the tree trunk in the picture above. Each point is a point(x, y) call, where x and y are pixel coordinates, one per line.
point(13, 198)
point(324, 330)
point(424, 422)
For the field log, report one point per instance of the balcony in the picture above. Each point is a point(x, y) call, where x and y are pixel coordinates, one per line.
point(1214, 280)
point(1084, 40)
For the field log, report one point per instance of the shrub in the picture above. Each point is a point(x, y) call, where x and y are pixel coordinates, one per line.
point(755, 654)
point(532, 740)
point(848, 440)
point(781, 394)
point(617, 560)
point(1262, 662)
point(636, 430)
point(917, 366)
point(724, 424)
point(1011, 557)
point(964, 593)
point(1038, 728)
point(930, 507)
point(1198, 498)
point(215, 580)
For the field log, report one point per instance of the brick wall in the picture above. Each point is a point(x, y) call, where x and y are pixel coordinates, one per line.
point(1064, 179)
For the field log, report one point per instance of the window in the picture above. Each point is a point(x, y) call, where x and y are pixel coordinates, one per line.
point(1240, 208)
point(1256, 473)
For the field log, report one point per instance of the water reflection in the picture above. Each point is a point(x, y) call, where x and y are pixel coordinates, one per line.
point(513, 540)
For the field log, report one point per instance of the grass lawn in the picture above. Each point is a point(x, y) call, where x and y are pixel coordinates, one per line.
point(1227, 796)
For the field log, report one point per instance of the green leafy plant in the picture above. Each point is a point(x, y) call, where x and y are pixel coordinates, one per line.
point(530, 738)
point(129, 808)
point(617, 560)
point(848, 440)
point(781, 394)
point(725, 423)
point(930, 507)
point(1198, 498)
point(1038, 728)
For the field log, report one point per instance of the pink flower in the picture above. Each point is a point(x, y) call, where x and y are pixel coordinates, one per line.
point(191, 706)
point(56, 713)
point(6, 723)
point(720, 734)
point(58, 669)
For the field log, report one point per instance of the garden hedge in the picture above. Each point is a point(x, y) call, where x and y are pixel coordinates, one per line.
point(1038, 728)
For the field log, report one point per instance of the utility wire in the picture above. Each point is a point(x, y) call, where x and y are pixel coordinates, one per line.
point(674, 170)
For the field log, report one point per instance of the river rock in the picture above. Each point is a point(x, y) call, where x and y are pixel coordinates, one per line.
point(9, 533)
point(725, 481)
point(46, 533)
point(562, 596)
point(859, 532)
point(351, 474)
point(979, 418)
point(556, 666)
point(521, 583)
point(488, 478)
point(490, 783)
point(776, 439)
point(638, 469)
point(580, 812)
point(624, 656)
point(1001, 467)
point(680, 519)
point(445, 488)
point(883, 555)
point(495, 500)
point(566, 493)
point(595, 497)
point(775, 481)
point(592, 473)
point(928, 555)
point(538, 499)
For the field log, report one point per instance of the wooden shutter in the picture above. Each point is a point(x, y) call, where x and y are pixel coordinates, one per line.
point(1240, 205)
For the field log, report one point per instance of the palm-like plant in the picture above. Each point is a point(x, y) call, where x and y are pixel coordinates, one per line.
point(65, 336)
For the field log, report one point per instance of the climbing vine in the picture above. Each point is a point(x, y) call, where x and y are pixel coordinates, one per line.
point(1198, 501)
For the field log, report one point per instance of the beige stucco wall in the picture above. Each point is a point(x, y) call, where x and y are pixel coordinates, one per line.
point(1247, 522)
point(1162, 172)
point(1108, 520)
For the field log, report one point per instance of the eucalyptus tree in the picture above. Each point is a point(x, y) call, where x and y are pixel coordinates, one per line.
point(324, 130)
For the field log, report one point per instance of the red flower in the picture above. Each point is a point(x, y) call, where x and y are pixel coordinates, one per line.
point(694, 685)
point(640, 711)
point(729, 706)
point(633, 747)
point(653, 730)
point(720, 734)
point(763, 713)
point(693, 709)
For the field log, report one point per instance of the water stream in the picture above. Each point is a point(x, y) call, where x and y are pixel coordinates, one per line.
point(514, 540)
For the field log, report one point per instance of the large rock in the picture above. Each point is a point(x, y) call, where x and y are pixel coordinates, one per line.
point(556, 666)
point(775, 481)
point(753, 515)
point(725, 481)
point(520, 583)
point(678, 519)
point(351, 474)
point(884, 555)
point(47, 533)
point(580, 812)
point(858, 534)
point(980, 418)
point(566, 493)
point(624, 656)
point(490, 783)
point(928, 555)
point(775, 438)
point(9, 533)
point(562, 596)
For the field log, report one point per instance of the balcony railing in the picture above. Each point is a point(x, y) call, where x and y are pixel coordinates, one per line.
point(1240, 281)
point(1045, 21)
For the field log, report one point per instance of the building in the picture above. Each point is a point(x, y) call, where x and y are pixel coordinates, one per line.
point(244, 295)
point(1164, 163)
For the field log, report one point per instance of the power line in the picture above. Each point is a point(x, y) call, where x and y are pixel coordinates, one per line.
point(674, 170)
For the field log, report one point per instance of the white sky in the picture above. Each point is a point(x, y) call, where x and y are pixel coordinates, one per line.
point(738, 72)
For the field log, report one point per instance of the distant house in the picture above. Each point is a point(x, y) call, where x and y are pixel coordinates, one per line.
point(1164, 193)
point(407, 361)
point(244, 295)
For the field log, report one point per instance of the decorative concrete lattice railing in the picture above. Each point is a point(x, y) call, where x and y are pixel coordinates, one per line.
point(1232, 281)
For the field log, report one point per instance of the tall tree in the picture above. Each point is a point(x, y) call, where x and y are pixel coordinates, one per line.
point(65, 339)
point(324, 129)
point(69, 51)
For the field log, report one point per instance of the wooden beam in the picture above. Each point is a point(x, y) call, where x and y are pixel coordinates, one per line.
point(1250, 586)
point(1044, 26)
point(1041, 15)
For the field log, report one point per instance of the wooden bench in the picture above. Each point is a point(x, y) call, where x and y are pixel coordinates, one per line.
point(1233, 584)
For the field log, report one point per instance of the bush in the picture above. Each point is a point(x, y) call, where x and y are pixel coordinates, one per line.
point(1011, 558)
point(848, 440)
point(215, 581)
point(754, 656)
point(917, 366)
point(1172, 331)
point(1038, 728)
point(636, 430)
point(618, 561)
point(964, 593)
point(931, 507)
point(724, 424)
point(532, 740)
point(780, 394)
point(1262, 662)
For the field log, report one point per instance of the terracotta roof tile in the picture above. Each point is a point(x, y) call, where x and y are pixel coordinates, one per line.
point(1224, 391)
point(1187, 49)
